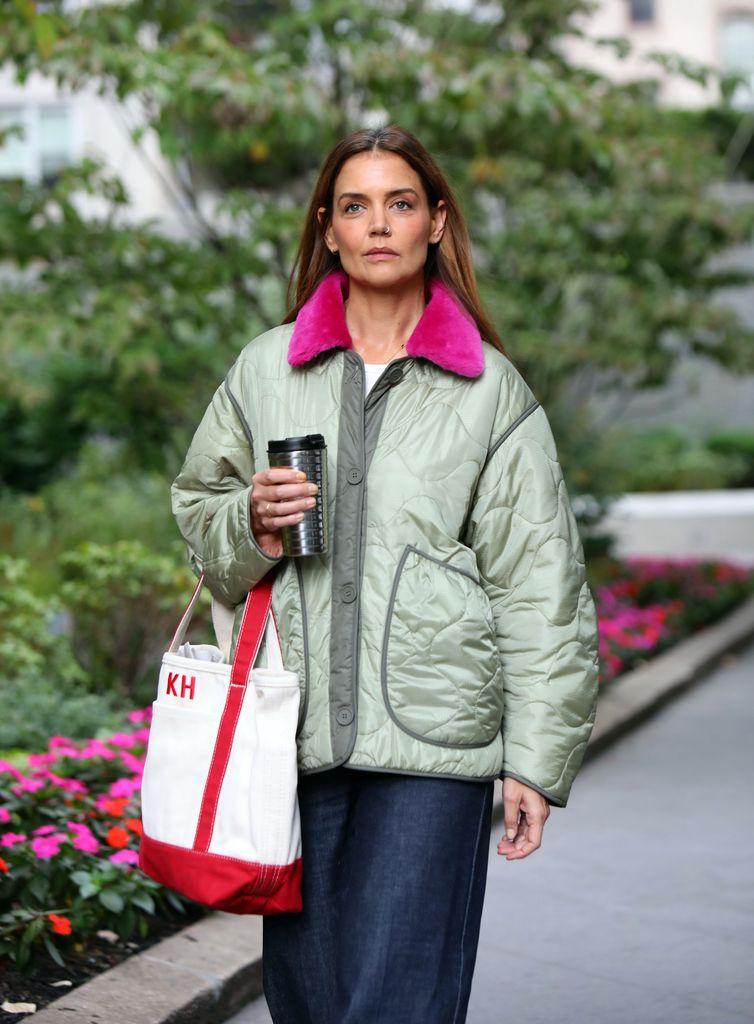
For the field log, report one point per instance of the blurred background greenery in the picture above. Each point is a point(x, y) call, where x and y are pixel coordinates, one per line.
point(594, 220)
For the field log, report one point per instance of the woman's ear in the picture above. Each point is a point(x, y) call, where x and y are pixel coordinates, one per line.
point(328, 235)
point(437, 221)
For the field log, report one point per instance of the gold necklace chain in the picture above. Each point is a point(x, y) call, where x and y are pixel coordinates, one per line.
point(402, 345)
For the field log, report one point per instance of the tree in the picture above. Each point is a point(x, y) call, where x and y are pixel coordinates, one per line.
point(590, 207)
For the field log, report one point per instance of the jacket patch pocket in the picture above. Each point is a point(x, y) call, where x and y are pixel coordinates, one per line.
point(442, 678)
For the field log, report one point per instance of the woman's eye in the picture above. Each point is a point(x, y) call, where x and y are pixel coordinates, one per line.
point(404, 204)
point(350, 207)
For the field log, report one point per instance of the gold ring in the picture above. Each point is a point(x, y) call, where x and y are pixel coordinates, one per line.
point(267, 510)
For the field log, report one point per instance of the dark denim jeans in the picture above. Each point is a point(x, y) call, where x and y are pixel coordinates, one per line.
point(395, 868)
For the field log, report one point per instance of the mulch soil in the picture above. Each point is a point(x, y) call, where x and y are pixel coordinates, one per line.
point(38, 986)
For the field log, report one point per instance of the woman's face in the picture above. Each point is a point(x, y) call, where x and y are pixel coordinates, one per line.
point(379, 203)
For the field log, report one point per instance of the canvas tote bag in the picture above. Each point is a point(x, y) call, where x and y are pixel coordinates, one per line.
point(219, 808)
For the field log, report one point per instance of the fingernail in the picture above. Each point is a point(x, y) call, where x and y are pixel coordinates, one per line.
point(300, 475)
point(510, 833)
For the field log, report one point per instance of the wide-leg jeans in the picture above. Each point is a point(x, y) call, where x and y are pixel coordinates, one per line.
point(394, 876)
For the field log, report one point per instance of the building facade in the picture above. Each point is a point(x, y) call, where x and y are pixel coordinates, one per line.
point(715, 33)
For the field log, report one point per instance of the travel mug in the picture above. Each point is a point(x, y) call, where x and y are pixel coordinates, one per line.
point(309, 454)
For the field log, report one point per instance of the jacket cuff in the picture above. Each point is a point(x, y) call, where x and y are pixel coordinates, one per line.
point(554, 801)
point(231, 577)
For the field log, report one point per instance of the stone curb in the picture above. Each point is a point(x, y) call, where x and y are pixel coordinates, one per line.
point(212, 969)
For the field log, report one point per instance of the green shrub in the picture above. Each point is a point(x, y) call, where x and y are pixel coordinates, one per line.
point(664, 459)
point(738, 443)
point(125, 602)
point(101, 500)
point(35, 709)
point(43, 689)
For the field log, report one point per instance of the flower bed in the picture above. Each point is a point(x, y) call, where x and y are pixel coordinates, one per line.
point(646, 605)
point(69, 849)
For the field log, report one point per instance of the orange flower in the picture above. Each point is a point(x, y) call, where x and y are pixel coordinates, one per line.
point(135, 825)
point(60, 925)
point(117, 837)
point(4, 865)
point(116, 806)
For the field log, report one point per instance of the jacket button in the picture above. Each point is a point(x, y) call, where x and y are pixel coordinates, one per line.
point(395, 375)
point(354, 475)
point(348, 592)
point(344, 716)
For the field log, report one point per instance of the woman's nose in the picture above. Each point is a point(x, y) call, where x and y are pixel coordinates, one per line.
point(379, 226)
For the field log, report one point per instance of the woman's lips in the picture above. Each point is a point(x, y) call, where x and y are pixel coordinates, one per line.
point(377, 255)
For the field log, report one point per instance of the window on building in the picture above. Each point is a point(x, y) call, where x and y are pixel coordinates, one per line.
point(13, 149)
point(642, 10)
point(45, 147)
point(54, 141)
point(737, 52)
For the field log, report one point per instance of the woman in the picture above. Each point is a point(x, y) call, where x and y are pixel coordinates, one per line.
point(447, 637)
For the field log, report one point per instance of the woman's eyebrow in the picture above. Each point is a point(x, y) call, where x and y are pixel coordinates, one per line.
point(392, 192)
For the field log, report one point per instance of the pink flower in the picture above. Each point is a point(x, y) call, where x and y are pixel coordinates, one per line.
point(84, 839)
point(27, 786)
point(125, 857)
point(124, 787)
point(66, 752)
point(60, 741)
point(35, 760)
point(4, 815)
point(69, 785)
point(122, 739)
point(142, 715)
point(86, 843)
point(6, 766)
point(46, 847)
point(11, 838)
point(43, 830)
point(135, 764)
point(96, 748)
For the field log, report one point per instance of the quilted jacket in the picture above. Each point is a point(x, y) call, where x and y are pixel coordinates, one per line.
point(448, 630)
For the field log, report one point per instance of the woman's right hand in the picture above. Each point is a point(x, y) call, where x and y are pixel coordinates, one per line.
point(279, 497)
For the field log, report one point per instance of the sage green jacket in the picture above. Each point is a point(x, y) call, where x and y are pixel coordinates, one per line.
point(448, 630)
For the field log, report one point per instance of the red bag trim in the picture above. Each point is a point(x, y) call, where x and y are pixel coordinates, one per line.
point(223, 883)
point(249, 639)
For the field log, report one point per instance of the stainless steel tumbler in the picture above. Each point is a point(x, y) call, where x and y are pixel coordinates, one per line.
point(309, 454)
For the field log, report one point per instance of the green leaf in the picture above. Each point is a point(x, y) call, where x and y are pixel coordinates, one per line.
point(53, 951)
point(32, 930)
point(112, 900)
point(39, 887)
point(144, 901)
point(45, 35)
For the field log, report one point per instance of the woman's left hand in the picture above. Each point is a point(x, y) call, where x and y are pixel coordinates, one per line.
point(526, 812)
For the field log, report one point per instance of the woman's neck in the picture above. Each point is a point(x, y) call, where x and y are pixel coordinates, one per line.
point(380, 320)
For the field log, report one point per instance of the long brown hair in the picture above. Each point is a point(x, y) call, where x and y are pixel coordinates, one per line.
point(449, 259)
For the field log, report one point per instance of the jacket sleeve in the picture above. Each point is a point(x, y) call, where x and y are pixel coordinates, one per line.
point(531, 562)
point(210, 501)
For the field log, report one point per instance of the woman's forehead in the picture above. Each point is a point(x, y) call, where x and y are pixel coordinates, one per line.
point(376, 172)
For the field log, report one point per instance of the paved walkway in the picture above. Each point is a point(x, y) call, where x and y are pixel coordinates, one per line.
point(639, 907)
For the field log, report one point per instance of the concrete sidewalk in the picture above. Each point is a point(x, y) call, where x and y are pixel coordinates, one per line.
point(640, 905)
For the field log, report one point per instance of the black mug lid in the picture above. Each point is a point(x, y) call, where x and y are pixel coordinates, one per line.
point(306, 442)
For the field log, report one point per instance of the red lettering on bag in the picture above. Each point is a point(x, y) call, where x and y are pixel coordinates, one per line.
point(172, 679)
point(188, 687)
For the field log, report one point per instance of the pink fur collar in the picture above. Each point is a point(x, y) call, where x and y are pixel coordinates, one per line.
point(445, 334)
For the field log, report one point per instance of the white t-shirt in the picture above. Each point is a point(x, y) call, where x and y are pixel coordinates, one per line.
point(372, 371)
